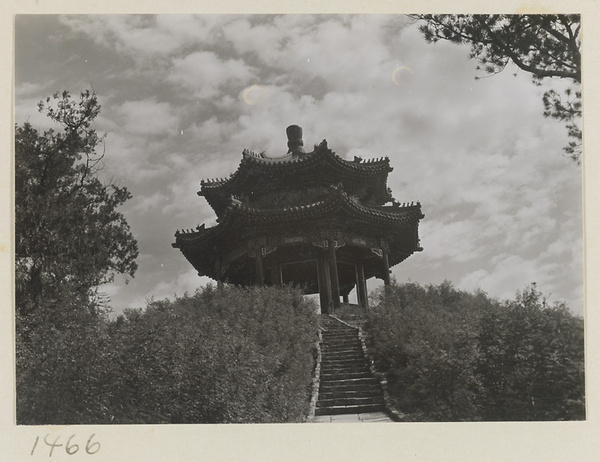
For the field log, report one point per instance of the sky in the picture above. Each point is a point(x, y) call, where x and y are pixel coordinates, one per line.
point(183, 95)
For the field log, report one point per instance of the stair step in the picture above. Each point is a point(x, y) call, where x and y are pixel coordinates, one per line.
point(356, 346)
point(329, 402)
point(344, 370)
point(337, 352)
point(340, 335)
point(342, 352)
point(345, 376)
point(354, 365)
point(346, 383)
point(341, 343)
point(363, 390)
point(351, 409)
point(346, 343)
point(374, 392)
point(345, 357)
point(349, 338)
point(343, 360)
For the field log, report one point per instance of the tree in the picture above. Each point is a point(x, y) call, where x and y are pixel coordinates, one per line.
point(69, 236)
point(546, 46)
point(69, 239)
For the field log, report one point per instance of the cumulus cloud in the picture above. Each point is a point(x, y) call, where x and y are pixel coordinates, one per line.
point(148, 118)
point(142, 35)
point(204, 73)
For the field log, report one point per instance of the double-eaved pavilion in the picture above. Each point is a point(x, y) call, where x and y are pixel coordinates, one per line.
point(308, 218)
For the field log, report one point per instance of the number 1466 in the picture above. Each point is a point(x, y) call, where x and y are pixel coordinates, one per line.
point(70, 446)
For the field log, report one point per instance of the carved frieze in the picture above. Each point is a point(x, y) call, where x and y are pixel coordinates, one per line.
point(378, 252)
point(294, 239)
point(267, 250)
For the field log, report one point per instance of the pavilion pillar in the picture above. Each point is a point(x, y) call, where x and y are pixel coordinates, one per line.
point(324, 283)
point(386, 268)
point(345, 299)
point(361, 286)
point(219, 273)
point(260, 277)
point(333, 271)
point(273, 273)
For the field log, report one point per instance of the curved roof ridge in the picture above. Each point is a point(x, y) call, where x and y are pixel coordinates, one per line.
point(190, 235)
point(237, 209)
point(394, 215)
point(321, 153)
point(263, 157)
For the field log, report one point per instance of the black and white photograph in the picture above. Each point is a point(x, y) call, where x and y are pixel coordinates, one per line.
point(297, 219)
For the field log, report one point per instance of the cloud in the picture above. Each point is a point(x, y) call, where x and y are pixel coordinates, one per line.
point(148, 117)
point(140, 36)
point(149, 203)
point(297, 42)
point(203, 73)
point(26, 89)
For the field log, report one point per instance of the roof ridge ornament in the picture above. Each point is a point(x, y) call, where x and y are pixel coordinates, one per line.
point(295, 143)
point(258, 155)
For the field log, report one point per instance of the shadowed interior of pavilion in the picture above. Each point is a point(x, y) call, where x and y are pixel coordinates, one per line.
point(312, 219)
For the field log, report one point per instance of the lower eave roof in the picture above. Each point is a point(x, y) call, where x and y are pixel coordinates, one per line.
point(337, 203)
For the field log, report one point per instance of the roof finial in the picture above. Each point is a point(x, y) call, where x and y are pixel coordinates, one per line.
point(295, 143)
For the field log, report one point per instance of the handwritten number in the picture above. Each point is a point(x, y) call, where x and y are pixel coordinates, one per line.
point(71, 449)
point(88, 446)
point(37, 438)
point(52, 445)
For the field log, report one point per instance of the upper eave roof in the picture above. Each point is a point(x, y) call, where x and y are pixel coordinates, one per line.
point(320, 166)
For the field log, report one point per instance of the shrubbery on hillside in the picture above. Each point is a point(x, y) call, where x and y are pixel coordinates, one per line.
point(220, 355)
point(451, 355)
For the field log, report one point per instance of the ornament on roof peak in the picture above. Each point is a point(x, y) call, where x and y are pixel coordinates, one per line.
point(295, 143)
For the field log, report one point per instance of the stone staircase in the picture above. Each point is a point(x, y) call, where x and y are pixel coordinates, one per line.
point(347, 385)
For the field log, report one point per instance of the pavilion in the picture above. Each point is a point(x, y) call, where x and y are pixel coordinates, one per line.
point(309, 218)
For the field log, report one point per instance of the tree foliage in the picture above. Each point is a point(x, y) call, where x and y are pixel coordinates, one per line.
point(69, 236)
point(218, 356)
point(451, 355)
point(531, 360)
point(61, 369)
point(546, 46)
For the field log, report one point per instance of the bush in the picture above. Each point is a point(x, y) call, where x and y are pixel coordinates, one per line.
point(532, 361)
point(450, 355)
point(220, 355)
point(61, 368)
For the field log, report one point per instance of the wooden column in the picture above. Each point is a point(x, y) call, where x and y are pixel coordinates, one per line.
point(274, 276)
point(324, 282)
point(386, 268)
point(219, 266)
point(361, 286)
point(260, 278)
point(335, 281)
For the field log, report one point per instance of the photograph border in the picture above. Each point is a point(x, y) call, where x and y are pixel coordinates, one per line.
point(282, 442)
